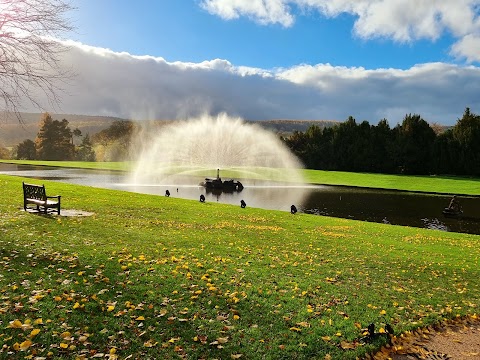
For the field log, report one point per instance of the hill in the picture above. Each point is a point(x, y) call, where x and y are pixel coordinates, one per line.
point(12, 132)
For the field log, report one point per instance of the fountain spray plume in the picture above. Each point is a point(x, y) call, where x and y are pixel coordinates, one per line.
point(202, 145)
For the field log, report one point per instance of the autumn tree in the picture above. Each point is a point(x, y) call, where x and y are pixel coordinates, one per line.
point(26, 150)
point(4, 153)
point(53, 140)
point(115, 140)
point(30, 50)
point(85, 150)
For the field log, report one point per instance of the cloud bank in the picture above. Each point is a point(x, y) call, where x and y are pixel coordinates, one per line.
point(145, 87)
point(399, 20)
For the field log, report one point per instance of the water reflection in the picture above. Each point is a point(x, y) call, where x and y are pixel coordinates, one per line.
point(389, 207)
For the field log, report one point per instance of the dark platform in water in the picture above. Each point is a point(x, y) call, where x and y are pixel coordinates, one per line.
point(452, 213)
point(223, 185)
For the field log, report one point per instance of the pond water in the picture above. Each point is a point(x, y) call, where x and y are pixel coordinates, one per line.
point(391, 207)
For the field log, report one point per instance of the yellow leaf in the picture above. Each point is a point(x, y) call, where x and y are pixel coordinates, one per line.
point(76, 306)
point(25, 345)
point(236, 356)
point(346, 345)
point(236, 317)
point(295, 329)
point(140, 318)
point(39, 321)
point(110, 308)
point(63, 345)
point(222, 340)
point(65, 335)
point(34, 332)
point(383, 312)
point(326, 338)
point(16, 324)
point(304, 324)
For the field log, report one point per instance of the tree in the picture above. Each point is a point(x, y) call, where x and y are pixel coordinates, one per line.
point(467, 133)
point(26, 150)
point(85, 150)
point(76, 133)
point(414, 145)
point(116, 140)
point(53, 140)
point(30, 48)
point(4, 153)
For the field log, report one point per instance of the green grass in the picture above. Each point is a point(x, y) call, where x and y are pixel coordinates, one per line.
point(107, 165)
point(437, 184)
point(156, 277)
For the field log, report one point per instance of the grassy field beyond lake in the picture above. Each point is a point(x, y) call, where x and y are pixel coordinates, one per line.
point(154, 277)
point(436, 184)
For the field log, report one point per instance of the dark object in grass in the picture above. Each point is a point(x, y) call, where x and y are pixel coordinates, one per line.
point(371, 329)
point(243, 204)
point(202, 198)
point(167, 193)
point(293, 209)
point(372, 335)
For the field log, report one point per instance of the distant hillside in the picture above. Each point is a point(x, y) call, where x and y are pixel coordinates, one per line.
point(12, 132)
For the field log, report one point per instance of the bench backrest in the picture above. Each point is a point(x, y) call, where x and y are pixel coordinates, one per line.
point(34, 191)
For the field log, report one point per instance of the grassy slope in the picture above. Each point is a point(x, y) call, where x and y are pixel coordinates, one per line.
point(160, 277)
point(440, 184)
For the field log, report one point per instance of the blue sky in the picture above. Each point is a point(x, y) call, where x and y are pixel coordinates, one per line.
point(182, 30)
point(275, 59)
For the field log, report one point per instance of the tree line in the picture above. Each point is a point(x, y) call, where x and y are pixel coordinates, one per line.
point(412, 147)
point(55, 140)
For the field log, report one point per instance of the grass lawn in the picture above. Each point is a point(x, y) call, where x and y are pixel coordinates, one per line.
point(421, 183)
point(153, 277)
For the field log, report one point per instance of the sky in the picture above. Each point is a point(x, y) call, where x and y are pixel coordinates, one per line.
point(275, 59)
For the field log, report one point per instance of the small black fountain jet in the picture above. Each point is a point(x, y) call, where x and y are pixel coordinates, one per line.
point(293, 209)
point(202, 198)
point(167, 193)
point(243, 204)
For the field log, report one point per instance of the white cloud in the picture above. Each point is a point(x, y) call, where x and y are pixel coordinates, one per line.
point(400, 20)
point(468, 47)
point(263, 11)
point(145, 87)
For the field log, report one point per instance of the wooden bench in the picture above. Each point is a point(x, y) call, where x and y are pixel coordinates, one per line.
point(35, 194)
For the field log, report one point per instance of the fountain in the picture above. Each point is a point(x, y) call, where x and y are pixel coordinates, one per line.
point(178, 153)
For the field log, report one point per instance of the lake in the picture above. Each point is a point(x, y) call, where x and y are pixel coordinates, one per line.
point(385, 206)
